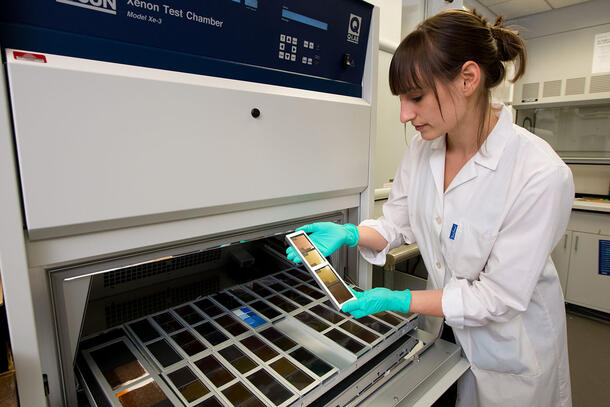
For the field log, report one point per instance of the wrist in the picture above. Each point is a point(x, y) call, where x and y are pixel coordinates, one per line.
point(404, 301)
point(352, 235)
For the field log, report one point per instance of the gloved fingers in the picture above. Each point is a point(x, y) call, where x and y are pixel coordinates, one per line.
point(292, 255)
point(350, 306)
point(359, 313)
point(306, 228)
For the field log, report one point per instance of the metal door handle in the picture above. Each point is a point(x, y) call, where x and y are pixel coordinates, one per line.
point(565, 241)
point(576, 244)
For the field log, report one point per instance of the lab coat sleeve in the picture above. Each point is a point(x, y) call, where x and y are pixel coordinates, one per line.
point(394, 225)
point(534, 224)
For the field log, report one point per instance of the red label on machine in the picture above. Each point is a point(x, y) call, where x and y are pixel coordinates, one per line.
point(28, 56)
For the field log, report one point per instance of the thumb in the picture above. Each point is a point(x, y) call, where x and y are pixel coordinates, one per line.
point(350, 306)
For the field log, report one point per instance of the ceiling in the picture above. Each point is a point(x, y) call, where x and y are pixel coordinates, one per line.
point(519, 8)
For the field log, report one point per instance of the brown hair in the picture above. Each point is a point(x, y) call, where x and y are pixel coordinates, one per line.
point(441, 44)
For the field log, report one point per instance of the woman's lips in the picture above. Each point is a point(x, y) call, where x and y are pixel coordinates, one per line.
point(419, 127)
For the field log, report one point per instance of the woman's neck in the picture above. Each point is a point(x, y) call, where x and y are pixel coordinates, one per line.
point(463, 140)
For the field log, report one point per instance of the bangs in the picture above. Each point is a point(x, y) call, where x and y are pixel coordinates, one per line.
point(410, 68)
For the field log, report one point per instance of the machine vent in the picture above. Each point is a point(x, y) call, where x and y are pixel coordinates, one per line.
point(551, 88)
point(118, 313)
point(575, 86)
point(600, 84)
point(530, 92)
point(126, 275)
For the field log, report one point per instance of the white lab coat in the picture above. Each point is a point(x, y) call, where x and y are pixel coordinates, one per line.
point(487, 241)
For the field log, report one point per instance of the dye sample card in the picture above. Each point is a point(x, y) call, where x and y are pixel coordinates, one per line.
point(238, 359)
point(296, 297)
point(163, 352)
point(282, 303)
point(312, 321)
point(189, 314)
point(291, 373)
point(167, 322)
point(312, 292)
point(344, 340)
point(214, 370)
point(144, 394)
point(336, 287)
point(389, 318)
point(359, 331)
point(188, 384)
point(210, 402)
point(210, 333)
point(227, 300)
point(278, 339)
point(311, 361)
point(259, 348)
point(189, 344)
point(312, 256)
point(118, 364)
point(375, 324)
point(144, 330)
point(264, 309)
point(270, 387)
point(242, 294)
point(208, 307)
point(331, 316)
point(249, 317)
point(231, 325)
point(239, 395)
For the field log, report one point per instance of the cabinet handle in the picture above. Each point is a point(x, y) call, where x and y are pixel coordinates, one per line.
point(576, 244)
point(565, 241)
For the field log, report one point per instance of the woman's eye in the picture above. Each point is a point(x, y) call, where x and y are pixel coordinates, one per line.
point(417, 99)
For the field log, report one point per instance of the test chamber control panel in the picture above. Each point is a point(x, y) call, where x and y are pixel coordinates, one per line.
point(282, 42)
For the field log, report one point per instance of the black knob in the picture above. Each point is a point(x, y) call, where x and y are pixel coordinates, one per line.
point(348, 61)
point(255, 113)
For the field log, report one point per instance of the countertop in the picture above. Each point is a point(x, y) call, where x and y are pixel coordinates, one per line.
point(586, 204)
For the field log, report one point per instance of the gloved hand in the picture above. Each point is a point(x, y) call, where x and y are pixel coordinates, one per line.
point(377, 300)
point(328, 237)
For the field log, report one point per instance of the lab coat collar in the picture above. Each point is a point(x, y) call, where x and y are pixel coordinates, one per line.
point(490, 152)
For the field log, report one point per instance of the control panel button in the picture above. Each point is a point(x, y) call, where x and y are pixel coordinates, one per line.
point(304, 60)
point(287, 56)
point(306, 44)
point(311, 45)
point(293, 57)
point(282, 46)
point(294, 49)
point(288, 39)
point(281, 54)
point(294, 40)
point(282, 37)
point(308, 61)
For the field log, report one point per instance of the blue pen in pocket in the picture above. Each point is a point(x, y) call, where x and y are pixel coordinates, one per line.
point(453, 230)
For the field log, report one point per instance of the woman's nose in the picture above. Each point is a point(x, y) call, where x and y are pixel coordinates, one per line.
point(406, 114)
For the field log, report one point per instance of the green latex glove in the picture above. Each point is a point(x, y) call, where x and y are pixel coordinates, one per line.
point(328, 237)
point(377, 300)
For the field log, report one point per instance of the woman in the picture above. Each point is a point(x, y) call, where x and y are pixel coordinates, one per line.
point(487, 202)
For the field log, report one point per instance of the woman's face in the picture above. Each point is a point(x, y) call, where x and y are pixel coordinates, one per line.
point(421, 109)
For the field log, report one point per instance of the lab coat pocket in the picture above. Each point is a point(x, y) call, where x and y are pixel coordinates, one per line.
point(503, 347)
point(467, 249)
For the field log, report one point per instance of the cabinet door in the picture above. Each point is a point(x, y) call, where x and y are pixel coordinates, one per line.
point(586, 286)
point(561, 258)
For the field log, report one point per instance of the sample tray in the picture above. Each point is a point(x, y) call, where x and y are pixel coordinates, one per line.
point(275, 341)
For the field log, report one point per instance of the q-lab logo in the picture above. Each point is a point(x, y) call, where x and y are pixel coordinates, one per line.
point(353, 30)
point(105, 6)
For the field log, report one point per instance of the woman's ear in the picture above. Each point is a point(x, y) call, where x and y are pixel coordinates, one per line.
point(470, 77)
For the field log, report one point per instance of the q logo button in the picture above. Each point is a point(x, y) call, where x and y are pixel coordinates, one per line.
point(354, 24)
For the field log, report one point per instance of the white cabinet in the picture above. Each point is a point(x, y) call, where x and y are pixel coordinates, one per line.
point(586, 286)
point(561, 258)
point(577, 259)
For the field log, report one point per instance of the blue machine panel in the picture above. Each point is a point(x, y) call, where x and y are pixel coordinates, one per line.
point(315, 44)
